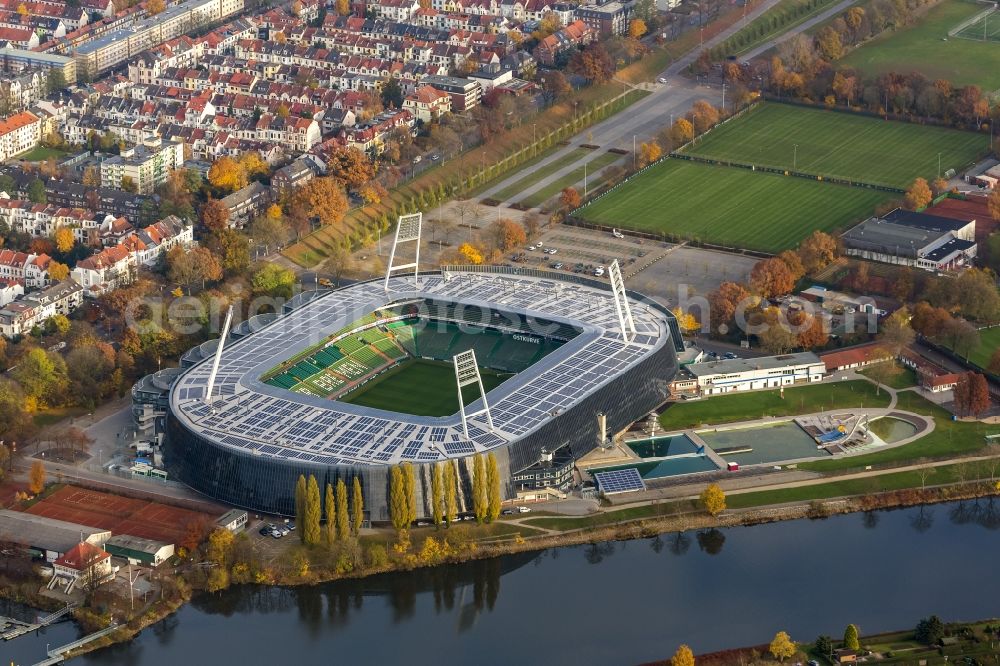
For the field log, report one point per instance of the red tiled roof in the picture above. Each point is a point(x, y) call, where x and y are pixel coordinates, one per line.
point(845, 357)
point(81, 556)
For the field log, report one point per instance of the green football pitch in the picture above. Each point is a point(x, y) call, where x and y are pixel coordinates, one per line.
point(731, 206)
point(843, 145)
point(420, 387)
point(926, 47)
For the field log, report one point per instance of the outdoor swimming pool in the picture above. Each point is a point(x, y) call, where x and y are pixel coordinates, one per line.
point(669, 467)
point(660, 447)
point(769, 443)
point(892, 430)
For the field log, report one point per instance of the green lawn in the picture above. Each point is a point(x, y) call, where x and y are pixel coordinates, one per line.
point(787, 14)
point(873, 484)
point(989, 342)
point(758, 404)
point(949, 438)
point(534, 175)
point(731, 206)
point(40, 153)
point(420, 387)
point(926, 47)
point(593, 173)
point(904, 379)
point(843, 145)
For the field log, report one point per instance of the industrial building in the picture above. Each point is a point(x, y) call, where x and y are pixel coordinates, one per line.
point(920, 240)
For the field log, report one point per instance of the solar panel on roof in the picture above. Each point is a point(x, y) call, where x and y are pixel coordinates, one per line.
point(619, 481)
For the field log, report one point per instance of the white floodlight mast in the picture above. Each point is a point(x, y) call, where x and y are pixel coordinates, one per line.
point(467, 372)
point(218, 354)
point(621, 301)
point(407, 231)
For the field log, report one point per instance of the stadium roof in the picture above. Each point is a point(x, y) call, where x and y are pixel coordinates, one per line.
point(270, 421)
point(729, 366)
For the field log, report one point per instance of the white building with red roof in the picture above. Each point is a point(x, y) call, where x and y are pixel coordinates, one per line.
point(427, 103)
point(82, 565)
point(19, 133)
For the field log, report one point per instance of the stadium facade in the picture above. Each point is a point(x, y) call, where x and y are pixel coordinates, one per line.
point(247, 443)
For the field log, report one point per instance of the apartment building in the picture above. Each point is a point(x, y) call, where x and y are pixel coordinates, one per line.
point(147, 165)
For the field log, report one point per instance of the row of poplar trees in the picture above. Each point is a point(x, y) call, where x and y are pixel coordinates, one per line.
point(486, 496)
point(342, 521)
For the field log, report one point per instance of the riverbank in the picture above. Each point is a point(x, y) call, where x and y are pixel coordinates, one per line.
point(301, 568)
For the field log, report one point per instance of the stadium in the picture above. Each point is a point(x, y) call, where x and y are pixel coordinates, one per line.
point(348, 383)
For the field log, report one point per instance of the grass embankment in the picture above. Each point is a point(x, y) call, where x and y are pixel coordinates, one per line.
point(761, 404)
point(591, 170)
point(515, 188)
point(420, 387)
point(926, 47)
point(773, 23)
point(731, 206)
point(473, 169)
point(842, 145)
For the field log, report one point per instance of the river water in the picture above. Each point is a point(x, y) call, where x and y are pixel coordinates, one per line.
point(611, 603)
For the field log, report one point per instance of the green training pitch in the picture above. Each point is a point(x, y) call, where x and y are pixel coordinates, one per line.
point(927, 48)
point(419, 387)
point(843, 145)
point(731, 206)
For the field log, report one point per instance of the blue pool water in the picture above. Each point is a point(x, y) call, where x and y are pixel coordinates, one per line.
point(659, 447)
point(669, 467)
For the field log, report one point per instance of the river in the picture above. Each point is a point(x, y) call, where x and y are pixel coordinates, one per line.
point(613, 603)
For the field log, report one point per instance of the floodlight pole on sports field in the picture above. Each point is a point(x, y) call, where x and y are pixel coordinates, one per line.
point(467, 372)
point(625, 322)
point(407, 231)
point(218, 354)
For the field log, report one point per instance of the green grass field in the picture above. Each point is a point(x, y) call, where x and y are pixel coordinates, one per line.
point(534, 175)
point(844, 145)
point(420, 387)
point(40, 153)
point(731, 206)
point(926, 47)
point(758, 404)
point(989, 342)
point(905, 378)
point(775, 21)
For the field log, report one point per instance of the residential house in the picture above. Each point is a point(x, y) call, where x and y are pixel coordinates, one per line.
point(147, 166)
point(247, 203)
point(19, 133)
point(105, 271)
point(296, 174)
point(31, 270)
point(427, 104)
point(23, 314)
point(82, 565)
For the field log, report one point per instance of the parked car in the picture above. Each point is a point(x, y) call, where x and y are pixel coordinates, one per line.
point(290, 525)
point(557, 265)
point(416, 160)
point(507, 512)
point(730, 355)
point(551, 250)
point(661, 80)
point(435, 157)
point(264, 531)
point(524, 509)
point(532, 247)
point(617, 234)
point(276, 534)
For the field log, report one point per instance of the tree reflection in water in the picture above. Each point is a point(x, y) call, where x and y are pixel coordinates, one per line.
point(711, 541)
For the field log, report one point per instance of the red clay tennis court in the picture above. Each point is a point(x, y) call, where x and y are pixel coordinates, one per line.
point(121, 515)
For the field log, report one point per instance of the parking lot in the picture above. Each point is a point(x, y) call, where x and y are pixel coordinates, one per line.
point(662, 270)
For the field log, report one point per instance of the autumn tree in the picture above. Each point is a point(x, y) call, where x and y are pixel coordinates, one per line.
point(683, 657)
point(771, 277)
point(320, 198)
point(398, 509)
point(724, 302)
point(556, 86)
point(919, 195)
point(227, 174)
point(687, 322)
point(269, 231)
point(649, 153)
point(794, 264)
point(681, 132)
point(215, 215)
point(357, 506)
point(979, 395)
point(312, 513)
point(713, 499)
point(994, 363)
point(300, 505)
point(507, 234)
point(570, 199)
point(470, 253)
point(782, 647)
point(817, 251)
point(273, 280)
point(437, 493)
point(702, 116)
point(410, 489)
point(64, 240)
point(330, 528)
point(343, 517)
point(479, 498)
point(187, 267)
point(493, 493)
point(450, 492)
point(813, 332)
point(637, 28)
point(58, 272)
point(776, 336)
point(895, 333)
point(36, 477)
point(993, 204)
point(593, 63)
point(253, 164)
point(350, 167)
